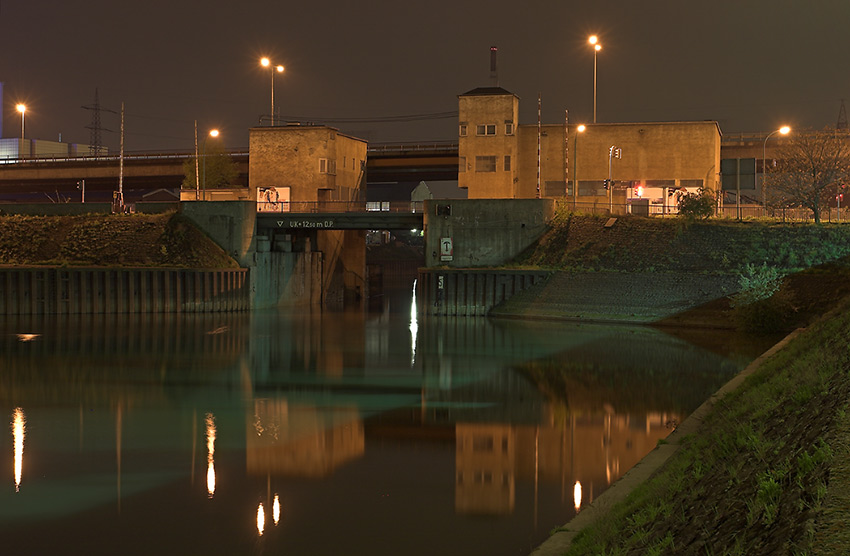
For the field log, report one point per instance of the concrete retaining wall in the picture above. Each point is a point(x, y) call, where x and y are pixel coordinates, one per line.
point(287, 280)
point(47, 291)
point(484, 232)
point(470, 292)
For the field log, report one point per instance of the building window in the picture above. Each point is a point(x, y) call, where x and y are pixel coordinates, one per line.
point(461, 164)
point(327, 166)
point(507, 163)
point(509, 128)
point(462, 129)
point(485, 163)
point(486, 129)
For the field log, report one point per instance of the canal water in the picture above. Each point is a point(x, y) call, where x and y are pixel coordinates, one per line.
point(334, 433)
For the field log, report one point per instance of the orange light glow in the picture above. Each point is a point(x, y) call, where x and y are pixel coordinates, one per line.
point(577, 495)
point(210, 420)
point(261, 519)
point(276, 509)
point(18, 431)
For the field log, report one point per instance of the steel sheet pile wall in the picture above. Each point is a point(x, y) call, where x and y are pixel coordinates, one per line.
point(470, 292)
point(40, 291)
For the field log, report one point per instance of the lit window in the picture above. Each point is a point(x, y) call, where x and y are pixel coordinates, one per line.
point(485, 163)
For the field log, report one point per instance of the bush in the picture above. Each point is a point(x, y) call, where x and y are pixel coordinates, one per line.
point(761, 305)
point(697, 206)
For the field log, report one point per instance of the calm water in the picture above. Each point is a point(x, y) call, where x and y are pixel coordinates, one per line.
point(281, 433)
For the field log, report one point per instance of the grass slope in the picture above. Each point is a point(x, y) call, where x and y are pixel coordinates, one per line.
point(582, 243)
point(755, 478)
point(140, 240)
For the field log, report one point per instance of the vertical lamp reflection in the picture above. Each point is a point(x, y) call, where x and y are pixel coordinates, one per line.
point(577, 496)
point(414, 327)
point(261, 519)
point(18, 429)
point(210, 453)
point(276, 509)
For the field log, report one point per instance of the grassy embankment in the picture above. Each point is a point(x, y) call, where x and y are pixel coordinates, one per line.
point(756, 477)
point(581, 243)
point(139, 240)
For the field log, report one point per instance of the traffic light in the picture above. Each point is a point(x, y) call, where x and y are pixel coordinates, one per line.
point(638, 191)
point(606, 184)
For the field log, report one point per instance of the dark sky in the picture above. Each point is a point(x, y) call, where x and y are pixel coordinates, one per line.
point(752, 65)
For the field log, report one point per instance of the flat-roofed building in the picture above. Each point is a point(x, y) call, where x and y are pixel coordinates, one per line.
point(499, 159)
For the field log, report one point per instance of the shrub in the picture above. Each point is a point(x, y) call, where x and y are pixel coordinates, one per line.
point(761, 305)
point(697, 206)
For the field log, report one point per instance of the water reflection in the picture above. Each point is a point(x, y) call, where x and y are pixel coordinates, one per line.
point(577, 496)
point(492, 432)
point(18, 430)
point(261, 519)
point(210, 422)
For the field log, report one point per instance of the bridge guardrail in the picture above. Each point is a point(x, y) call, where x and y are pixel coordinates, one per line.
point(339, 206)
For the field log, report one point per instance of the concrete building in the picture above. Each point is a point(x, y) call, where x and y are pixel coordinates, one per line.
point(16, 148)
point(305, 165)
point(499, 159)
point(302, 169)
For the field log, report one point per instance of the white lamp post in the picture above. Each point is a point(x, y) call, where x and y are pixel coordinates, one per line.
point(594, 40)
point(213, 133)
point(266, 63)
point(784, 130)
point(22, 108)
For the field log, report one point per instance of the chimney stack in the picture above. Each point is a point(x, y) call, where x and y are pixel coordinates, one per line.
point(494, 72)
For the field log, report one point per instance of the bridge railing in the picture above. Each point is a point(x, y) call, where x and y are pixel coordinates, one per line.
point(339, 206)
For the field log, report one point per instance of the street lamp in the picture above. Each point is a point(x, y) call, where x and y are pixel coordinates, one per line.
point(213, 133)
point(22, 108)
point(579, 129)
point(784, 130)
point(266, 63)
point(594, 40)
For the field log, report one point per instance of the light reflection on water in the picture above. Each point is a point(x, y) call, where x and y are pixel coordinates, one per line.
point(398, 435)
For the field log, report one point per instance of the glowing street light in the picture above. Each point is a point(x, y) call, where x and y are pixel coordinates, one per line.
point(579, 129)
point(214, 134)
point(266, 63)
point(22, 108)
point(594, 40)
point(784, 130)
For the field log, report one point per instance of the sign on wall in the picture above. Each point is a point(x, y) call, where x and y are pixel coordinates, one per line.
point(446, 249)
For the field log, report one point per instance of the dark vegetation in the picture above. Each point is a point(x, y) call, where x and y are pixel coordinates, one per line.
point(140, 240)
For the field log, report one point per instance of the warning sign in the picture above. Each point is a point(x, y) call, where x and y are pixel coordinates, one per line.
point(446, 249)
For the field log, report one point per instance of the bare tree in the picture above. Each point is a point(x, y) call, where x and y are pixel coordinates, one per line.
point(811, 168)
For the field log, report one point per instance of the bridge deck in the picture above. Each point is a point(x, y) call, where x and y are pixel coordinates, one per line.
point(339, 215)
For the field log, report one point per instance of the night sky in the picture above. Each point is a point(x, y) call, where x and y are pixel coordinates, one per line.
point(752, 65)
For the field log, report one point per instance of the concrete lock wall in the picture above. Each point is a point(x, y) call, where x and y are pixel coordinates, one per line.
point(230, 224)
point(286, 280)
point(482, 232)
point(447, 292)
point(50, 291)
